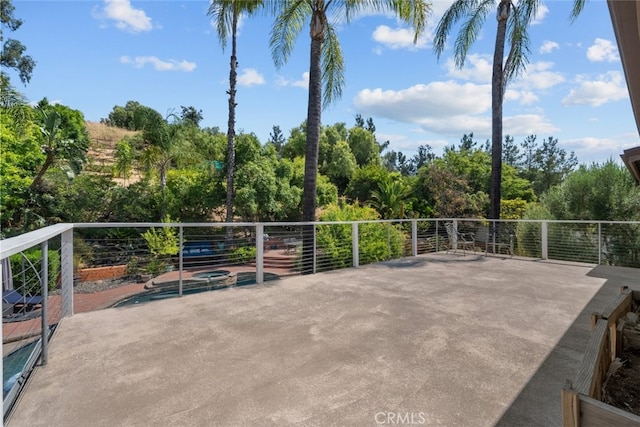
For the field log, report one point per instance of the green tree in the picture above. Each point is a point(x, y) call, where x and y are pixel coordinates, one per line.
point(64, 139)
point(124, 155)
point(363, 146)
point(341, 166)
point(390, 199)
point(326, 63)
point(191, 116)
point(225, 14)
point(13, 51)
point(513, 21)
point(276, 138)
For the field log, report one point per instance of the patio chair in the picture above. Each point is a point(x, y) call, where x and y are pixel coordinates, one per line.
point(484, 237)
point(457, 239)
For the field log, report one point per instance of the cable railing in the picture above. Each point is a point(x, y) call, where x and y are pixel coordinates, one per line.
point(45, 268)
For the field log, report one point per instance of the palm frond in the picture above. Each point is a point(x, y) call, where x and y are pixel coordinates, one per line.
point(519, 41)
point(222, 12)
point(453, 14)
point(414, 13)
point(289, 23)
point(578, 5)
point(332, 67)
point(469, 32)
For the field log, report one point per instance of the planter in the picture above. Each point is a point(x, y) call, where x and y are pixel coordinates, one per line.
point(581, 399)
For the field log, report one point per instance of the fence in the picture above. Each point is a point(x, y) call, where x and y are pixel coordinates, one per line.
point(47, 263)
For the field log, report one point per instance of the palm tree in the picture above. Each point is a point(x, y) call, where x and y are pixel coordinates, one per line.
point(513, 20)
point(226, 14)
point(326, 67)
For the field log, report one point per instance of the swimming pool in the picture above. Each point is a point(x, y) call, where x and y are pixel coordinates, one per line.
point(243, 278)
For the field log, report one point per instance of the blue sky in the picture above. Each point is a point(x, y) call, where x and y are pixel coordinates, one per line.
point(93, 55)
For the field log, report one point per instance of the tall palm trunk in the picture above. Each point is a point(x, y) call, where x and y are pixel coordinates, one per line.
point(314, 118)
point(231, 133)
point(497, 89)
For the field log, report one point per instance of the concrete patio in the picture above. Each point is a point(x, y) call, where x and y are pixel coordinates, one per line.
point(432, 340)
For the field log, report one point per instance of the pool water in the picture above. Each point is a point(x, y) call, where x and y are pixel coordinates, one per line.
point(243, 279)
point(13, 364)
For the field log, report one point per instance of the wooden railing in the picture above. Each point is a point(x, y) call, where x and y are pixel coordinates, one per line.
point(582, 404)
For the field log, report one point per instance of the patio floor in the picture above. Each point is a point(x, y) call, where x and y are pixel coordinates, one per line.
point(433, 340)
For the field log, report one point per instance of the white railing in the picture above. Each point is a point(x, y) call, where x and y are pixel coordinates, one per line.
point(269, 250)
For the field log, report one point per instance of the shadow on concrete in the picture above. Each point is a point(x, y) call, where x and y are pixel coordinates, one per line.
point(529, 407)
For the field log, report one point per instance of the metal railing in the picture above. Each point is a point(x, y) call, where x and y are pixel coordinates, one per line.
point(47, 263)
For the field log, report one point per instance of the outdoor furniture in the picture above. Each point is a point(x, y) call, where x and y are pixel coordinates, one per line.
point(16, 299)
point(291, 245)
point(485, 238)
point(457, 239)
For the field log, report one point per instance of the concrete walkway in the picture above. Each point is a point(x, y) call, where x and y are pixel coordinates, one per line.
point(433, 340)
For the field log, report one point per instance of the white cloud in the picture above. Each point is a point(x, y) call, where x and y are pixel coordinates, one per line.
point(477, 67)
point(250, 77)
point(603, 50)
point(523, 97)
point(607, 87)
point(538, 76)
point(436, 99)
point(543, 10)
point(589, 149)
point(448, 108)
point(398, 38)
point(158, 64)
point(126, 17)
point(548, 46)
point(303, 82)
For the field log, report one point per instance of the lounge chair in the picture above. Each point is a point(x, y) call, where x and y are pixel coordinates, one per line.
point(17, 299)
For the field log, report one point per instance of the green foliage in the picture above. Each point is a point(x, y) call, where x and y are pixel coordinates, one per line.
point(26, 267)
point(528, 234)
point(513, 208)
point(603, 192)
point(163, 241)
point(447, 194)
point(364, 146)
point(391, 198)
point(13, 51)
point(124, 155)
point(295, 145)
point(364, 181)
point(192, 194)
point(377, 241)
point(341, 166)
point(243, 255)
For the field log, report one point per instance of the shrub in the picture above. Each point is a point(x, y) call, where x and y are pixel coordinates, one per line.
point(26, 281)
point(377, 241)
point(243, 255)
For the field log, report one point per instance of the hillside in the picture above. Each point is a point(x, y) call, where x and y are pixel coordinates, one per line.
point(101, 154)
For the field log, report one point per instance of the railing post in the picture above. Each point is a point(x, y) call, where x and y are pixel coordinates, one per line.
point(1, 325)
point(355, 245)
point(44, 285)
point(455, 241)
point(437, 238)
point(259, 253)
point(544, 240)
point(180, 263)
point(599, 243)
point(314, 249)
point(414, 237)
point(66, 274)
